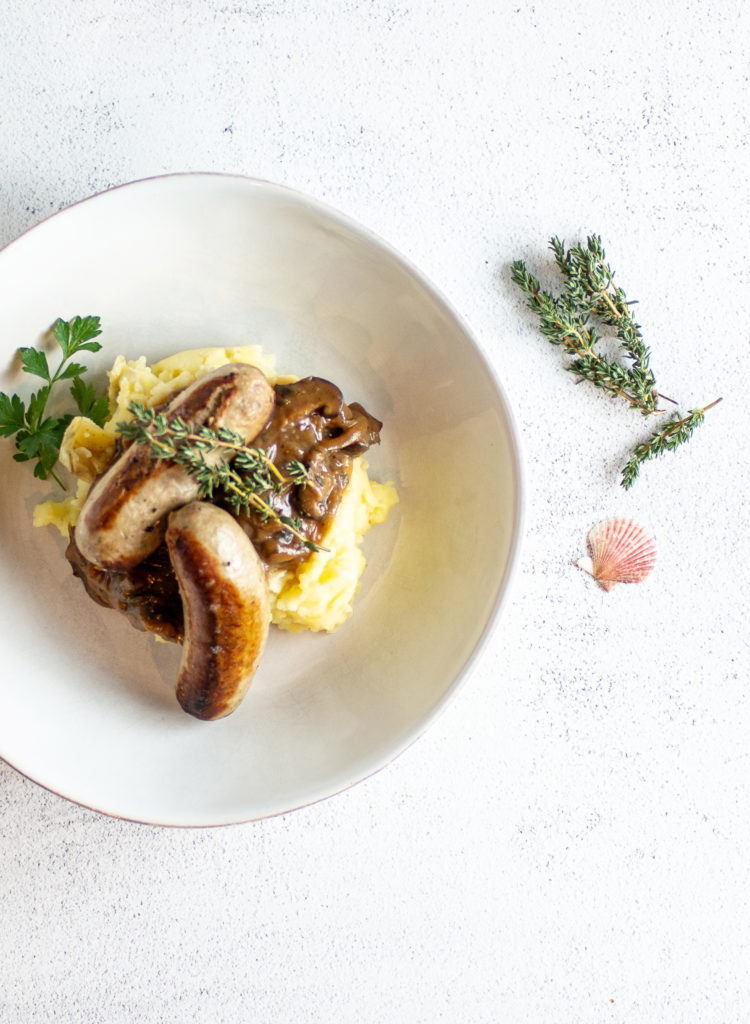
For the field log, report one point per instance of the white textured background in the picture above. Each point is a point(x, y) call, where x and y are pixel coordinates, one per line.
point(570, 842)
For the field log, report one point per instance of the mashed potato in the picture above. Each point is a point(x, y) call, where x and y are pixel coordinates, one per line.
point(315, 595)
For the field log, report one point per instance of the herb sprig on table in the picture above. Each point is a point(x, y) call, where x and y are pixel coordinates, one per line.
point(569, 320)
point(39, 435)
point(677, 431)
point(247, 483)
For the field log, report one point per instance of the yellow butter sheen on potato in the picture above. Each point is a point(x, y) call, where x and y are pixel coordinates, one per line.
point(136, 381)
point(316, 595)
point(86, 449)
point(61, 514)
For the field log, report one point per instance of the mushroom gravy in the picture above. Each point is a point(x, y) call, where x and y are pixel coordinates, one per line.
point(311, 424)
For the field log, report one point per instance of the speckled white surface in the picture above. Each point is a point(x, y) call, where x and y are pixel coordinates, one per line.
point(570, 842)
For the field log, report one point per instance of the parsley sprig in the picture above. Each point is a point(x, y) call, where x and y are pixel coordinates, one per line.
point(38, 435)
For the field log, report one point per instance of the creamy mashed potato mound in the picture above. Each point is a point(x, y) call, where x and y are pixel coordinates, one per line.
point(315, 595)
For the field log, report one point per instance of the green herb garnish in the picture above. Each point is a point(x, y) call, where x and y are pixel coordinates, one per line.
point(567, 320)
point(38, 436)
point(249, 482)
point(677, 431)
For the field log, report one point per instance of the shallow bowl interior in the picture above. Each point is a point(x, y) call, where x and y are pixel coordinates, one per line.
point(192, 260)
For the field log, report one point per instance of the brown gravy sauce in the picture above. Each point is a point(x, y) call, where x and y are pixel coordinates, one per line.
point(147, 594)
point(310, 424)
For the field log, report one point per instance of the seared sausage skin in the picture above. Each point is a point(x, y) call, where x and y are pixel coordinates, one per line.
point(122, 519)
point(226, 607)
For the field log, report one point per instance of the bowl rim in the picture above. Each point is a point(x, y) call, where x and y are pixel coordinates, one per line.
point(516, 450)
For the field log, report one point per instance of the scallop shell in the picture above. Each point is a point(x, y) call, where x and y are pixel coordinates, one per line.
point(621, 551)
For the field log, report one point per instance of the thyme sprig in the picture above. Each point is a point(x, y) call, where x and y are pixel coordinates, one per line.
point(677, 431)
point(566, 321)
point(589, 281)
point(249, 481)
point(590, 292)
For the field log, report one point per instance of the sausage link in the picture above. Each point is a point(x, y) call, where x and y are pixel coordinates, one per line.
point(226, 606)
point(122, 519)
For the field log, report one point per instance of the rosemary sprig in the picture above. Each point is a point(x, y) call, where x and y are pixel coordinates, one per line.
point(677, 431)
point(566, 320)
point(249, 481)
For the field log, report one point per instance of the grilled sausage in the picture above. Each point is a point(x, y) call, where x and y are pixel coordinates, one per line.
point(122, 519)
point(226, 606)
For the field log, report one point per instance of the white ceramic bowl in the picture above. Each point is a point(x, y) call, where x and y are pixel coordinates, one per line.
point(199, 259)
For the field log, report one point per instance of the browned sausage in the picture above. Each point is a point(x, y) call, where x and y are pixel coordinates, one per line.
point(122, 519)
point(226, 605)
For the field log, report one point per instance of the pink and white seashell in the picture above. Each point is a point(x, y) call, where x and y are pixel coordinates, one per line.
point(621, 552)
